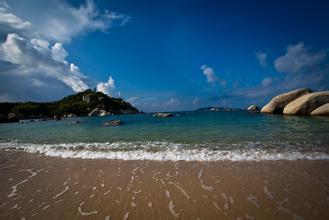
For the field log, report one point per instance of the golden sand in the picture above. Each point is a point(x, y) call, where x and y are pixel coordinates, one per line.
point(38, 187)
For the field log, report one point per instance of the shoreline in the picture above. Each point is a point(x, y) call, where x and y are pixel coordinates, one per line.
point(38, 186)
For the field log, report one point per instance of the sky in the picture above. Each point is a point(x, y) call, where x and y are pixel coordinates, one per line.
point(163, 55)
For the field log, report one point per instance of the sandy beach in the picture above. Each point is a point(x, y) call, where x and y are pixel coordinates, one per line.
point(34, 186)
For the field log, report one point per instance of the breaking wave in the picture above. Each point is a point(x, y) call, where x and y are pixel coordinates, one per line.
point(167, 151)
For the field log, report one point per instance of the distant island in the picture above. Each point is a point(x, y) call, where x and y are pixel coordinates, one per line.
point(86, 103)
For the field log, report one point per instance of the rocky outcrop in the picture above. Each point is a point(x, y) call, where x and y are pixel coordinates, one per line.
point(253, 108)
point(162, 115)
point(323, 110)
point(94, 112)
point(113, 123)
point(307, 103)
point(278, 103)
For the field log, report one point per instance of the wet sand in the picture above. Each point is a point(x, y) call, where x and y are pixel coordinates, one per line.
point(34, 186)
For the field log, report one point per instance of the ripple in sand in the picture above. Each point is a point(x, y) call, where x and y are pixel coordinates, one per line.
point(181, 189)
point(126, 216)
point(268, 193)
point(167, 193)
point(172, 209)
point(14, 187)
point(226, 205)
point(203, 186)
point(61, 193)
point(85, 213)
point(252, 199)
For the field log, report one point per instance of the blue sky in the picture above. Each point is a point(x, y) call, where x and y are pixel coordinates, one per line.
point(163, 55)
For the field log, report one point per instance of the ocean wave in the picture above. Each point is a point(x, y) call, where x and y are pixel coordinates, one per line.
point(166, 151)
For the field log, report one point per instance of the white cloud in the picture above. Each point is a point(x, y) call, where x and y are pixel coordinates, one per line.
point(262, 58)
point(209, 73)
point(59, 21)
point(106, 87)
point(267, 81)
point(173, 102)
point(10, 23)
point(34, 58)
point(32, 54)
point(297, 58)
point(58, 52)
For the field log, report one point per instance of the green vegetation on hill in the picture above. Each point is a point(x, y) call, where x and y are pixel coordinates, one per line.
point(79, 104)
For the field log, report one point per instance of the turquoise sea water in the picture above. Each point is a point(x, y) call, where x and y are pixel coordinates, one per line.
point(187, 136)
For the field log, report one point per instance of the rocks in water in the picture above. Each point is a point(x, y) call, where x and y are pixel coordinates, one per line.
point(69, 115)
point(162, 115)
point(113, 123)
point(253, 108)
point(307, 103)
point(94, 112)
point(323, 110)
point(12, 118)
point(278, 103)
point(103, 113)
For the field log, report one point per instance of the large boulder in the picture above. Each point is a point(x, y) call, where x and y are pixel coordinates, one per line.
point(277, 104)
point(307, 103)
point(162, 115)
point(94, 112)
point(323, 110)
point(253, 108)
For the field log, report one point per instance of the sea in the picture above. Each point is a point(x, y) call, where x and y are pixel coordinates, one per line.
point(188, 136)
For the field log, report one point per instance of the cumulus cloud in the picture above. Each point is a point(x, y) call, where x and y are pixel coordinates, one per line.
point(34, 58)
point(106, 87)
point(262, 58)
point(297, 58)
point(33, 61)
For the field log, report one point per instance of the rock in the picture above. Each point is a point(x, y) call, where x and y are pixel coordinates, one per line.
point(278, 103)
point(71, 116)
point(162, 115)
point(323, 110)
point(57, 118)
point(94, 112)
point(113, 123)
point(307, 103)
point(103, 113)
point(12, 118)
point(253, 108)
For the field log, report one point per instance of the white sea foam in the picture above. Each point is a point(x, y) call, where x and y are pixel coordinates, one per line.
point(163, 151)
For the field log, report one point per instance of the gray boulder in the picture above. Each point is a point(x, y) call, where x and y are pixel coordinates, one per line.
point(323, 110)
point(305, 104)
point(277, 104)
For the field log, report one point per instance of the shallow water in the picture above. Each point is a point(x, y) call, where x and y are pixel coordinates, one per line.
point(188, 136)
